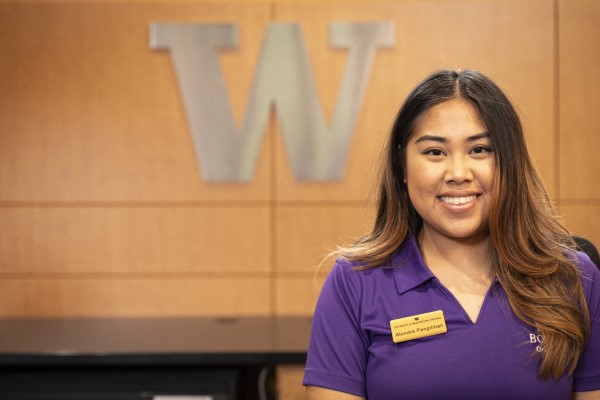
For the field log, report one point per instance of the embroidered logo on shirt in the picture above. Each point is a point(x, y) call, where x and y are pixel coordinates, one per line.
point(537, 338)
point(418, 326)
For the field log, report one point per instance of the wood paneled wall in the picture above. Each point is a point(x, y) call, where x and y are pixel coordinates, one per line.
point(578, 138)
point(103, 211)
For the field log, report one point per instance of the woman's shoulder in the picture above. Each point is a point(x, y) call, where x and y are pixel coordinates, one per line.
point(585, 265)
point(404, 261)
point(406, 253)
point(589, 274)
point(361, 269)
point(352, 270)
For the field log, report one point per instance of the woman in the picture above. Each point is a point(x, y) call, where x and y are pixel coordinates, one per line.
point(467, 287)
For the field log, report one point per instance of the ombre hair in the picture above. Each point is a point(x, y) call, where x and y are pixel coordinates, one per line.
point(531, 252)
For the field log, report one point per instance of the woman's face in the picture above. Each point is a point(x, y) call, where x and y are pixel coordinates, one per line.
point(450, 170)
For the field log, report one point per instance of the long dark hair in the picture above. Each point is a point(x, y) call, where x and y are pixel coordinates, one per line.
point(530, 247)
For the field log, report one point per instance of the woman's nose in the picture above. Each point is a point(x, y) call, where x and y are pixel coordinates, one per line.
point(458, 170)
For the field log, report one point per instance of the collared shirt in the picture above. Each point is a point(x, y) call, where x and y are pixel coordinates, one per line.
point(351, 347)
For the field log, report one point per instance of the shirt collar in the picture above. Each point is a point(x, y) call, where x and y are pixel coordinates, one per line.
point(409, 269)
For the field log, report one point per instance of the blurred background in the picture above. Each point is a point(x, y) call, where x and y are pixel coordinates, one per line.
point(103, 209)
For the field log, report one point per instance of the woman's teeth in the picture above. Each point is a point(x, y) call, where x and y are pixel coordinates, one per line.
point(457, 200)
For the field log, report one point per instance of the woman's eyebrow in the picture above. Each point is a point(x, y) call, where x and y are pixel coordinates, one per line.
point(443, 139)
point(478, 136)
point(432, 138)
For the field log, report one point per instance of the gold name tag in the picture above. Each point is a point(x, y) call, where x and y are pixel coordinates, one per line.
point(418, 326)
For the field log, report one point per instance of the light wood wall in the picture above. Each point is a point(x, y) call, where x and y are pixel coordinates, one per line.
point(103, 211)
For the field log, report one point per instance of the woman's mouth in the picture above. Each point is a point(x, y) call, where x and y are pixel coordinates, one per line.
point(458, 200)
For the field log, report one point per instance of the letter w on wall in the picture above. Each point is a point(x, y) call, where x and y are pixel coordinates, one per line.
point(283, 78)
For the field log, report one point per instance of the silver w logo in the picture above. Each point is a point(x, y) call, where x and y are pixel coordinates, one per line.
point(283, 79)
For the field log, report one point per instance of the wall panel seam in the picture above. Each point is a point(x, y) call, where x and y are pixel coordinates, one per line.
point(557, 102)
point(132, 276)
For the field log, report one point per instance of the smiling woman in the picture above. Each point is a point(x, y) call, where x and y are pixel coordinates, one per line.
point(464, 229)
point(450, 171)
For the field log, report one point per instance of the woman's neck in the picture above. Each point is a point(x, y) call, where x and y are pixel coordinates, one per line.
point(462, 266)
point(461, 257)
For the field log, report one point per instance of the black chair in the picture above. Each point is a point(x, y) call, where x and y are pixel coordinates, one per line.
point(588, 248)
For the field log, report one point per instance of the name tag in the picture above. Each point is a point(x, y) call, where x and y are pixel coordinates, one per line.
point(418, 326)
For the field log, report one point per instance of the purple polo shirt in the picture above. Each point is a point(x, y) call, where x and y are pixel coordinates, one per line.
point(351, 347)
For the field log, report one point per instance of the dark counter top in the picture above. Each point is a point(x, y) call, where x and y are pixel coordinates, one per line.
point(148, 341)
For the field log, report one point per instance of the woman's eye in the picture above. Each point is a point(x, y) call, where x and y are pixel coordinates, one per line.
point(434, 152)
point(481, 150)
